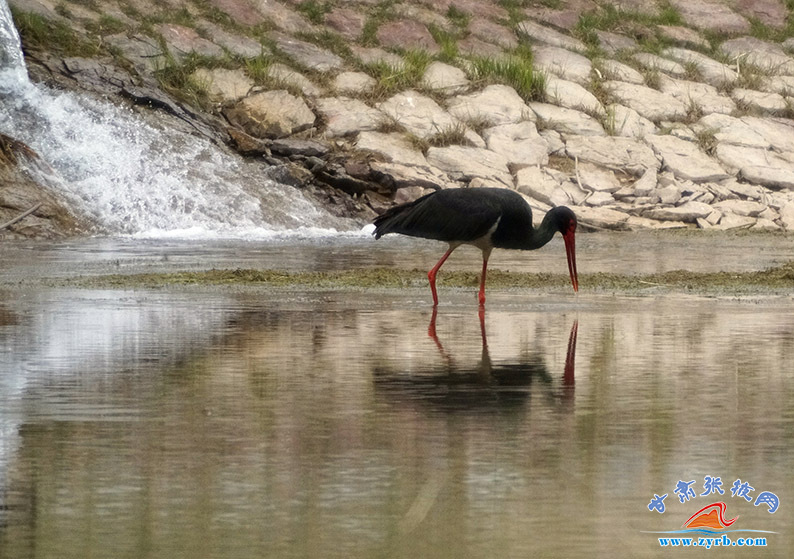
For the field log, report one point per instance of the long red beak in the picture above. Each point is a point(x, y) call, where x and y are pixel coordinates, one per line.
point(570, 250)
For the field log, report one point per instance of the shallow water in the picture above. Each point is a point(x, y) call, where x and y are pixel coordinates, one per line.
point(198, 422)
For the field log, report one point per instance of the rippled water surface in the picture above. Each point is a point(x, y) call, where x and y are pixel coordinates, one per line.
point(203, 422)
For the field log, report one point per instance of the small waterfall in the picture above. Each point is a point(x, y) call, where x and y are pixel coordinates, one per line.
point(135, 177)
point(11, 57)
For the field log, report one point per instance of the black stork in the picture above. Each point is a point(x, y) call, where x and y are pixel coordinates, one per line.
point(487, 218)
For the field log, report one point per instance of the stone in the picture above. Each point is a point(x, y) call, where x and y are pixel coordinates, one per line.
point(748, 191)
point(740, 207)
point(430, 18)
point(496, 104)
point(285, 76)
point(646, 184)
point(614, 70)
point(730, 130)
point(649, 103)
point(712, 72)
point(553, 138)
point(399, 176)
point(566, 121)
point(354, 83)
point(635, 223)
point(597, 179)
point(771, 177)
point(538, 184)
point(419, 114)
point(143, 52)
point(298, 146)
point(619, 154)
point(688, 213)
point(778, 132)
point(565, 17)
point(613, 43)
point(307, 54)
point(285, 18)
point(444, 78)
point(654, 62)
point(492, 32)
point(731, 221)
point(224, 86)
point(769, 12)
point(343, 116)
point(627, 122)
point(668, 195)
point(519, 143)
point(239, 45)
point(562, 63)
point(787, 216)
point(572, 96)
point(181, 41)
point(370, 56)
point(271, 114)
point(685, 159)
point(778, 84)
point(240, 12)
point(465, 163)
point(711, 15)
point(767, 57)
point(679, 34)
point(346, 21)
point(475, 46)
point(600, 198)
point(769, 103)
point(393, 147)
point(601, 218)
point(546, 35)
point(702, 96)
point(407, 34)
point(762, 224)
point(737, 158)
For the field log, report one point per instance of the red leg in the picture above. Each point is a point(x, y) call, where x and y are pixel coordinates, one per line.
point(431, 275)
point(481, 296)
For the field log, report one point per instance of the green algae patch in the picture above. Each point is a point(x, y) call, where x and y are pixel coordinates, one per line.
point(777, 278)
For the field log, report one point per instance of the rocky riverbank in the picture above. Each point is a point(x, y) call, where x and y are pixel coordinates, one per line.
point(637, 114)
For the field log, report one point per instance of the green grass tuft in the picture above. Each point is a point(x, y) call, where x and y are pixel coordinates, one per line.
point(517, 72)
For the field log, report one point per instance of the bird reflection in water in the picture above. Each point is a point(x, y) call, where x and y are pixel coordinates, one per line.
point(487, 385)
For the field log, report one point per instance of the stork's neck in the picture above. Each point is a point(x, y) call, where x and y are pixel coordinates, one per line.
point(536, 238)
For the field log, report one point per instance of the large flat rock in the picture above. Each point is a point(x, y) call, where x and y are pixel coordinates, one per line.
point(566, 121)
point(766, 56)
point(419, 114)
point(464, 163)
point(650, 103)
point(731, 130)
point(496, 104)
point(519, 143)
point(563, 63)
point(546, 35)
point(392, 146)
point(307, 54)
point(224, 86)
point(715, 16)
point(571, 95)
point(620, 154)
point(702, 96)
point(343, 116)
point(686, 160)
point(713, 72)
point(271, 114)
point(407, 34)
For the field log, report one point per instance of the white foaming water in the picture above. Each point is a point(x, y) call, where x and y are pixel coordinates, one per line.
point(133, 177)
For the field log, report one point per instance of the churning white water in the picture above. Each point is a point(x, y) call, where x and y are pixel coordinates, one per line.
point(134, 177)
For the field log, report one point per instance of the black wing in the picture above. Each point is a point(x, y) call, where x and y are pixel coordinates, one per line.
point(456, 214)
